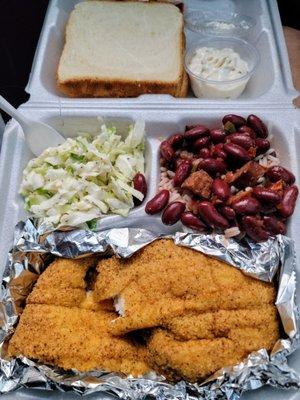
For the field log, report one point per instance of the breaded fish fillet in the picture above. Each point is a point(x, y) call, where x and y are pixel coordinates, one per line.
point(167, 281)
point(64, 283)
point(202, 313)
point(217, 324)
point(73, 338)
point(195, 360)
point(63, 325)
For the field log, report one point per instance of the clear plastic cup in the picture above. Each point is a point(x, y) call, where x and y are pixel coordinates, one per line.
point(227, 89)
point(219, 23)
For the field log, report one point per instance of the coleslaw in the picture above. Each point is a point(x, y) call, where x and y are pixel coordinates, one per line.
point(86, 177)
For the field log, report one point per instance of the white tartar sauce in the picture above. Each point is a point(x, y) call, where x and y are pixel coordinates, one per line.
point(221, 66)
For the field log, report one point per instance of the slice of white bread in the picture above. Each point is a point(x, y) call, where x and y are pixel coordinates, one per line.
point(123, 49)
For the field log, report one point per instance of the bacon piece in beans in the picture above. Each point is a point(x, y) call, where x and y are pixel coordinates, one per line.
point(199, 183)
point(247, 175)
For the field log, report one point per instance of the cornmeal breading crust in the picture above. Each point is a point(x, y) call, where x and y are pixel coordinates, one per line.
point(195, 360)
point(63, 325)
point(74, 338)
point(166, 281)
point(201, 314)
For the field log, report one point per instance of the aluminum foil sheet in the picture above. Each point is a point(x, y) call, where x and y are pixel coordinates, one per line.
point(32, 250)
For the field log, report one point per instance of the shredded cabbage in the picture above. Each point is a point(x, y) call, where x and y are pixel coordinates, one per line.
point(85, 178)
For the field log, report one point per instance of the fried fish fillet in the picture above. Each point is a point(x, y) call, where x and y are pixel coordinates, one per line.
point(74, 338)
point(63, 325)
point(202, 314)
point(64, 283)
point(217, 324)
point(194, 346)
point(195, 360)
point(167, 281)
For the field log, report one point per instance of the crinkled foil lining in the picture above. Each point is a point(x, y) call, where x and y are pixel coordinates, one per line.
point(32, 250)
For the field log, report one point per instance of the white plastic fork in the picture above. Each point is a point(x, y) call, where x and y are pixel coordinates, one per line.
point(39, 136)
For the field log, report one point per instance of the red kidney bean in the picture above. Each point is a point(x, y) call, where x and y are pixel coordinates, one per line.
point(196, 132)
point(213, 165)
point(200, 143)
point(221, 189)
point(237, 153)
point(166, 150)
point(173, 213)
point(159, 201)
point(278, 173)
point(236, 120)
point(247, 130)
point(227, 212)
point(288, 203)
point(266, 195)
point(179, 161)
point(241, 139)
point(254, 228)
point(210, 215)
point(204, 153)
point(257, 125)
point(246, 205)
point(182, 172)
point(218, 135)
point(189, 127)
point(218, 151)
point(176, 140)
point(191, 221)
point(140, 184)
point(273, 225)
point(262, 145)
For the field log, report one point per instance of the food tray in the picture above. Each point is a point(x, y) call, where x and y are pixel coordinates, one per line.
point(284, 125)
point(269, 96)
point(271, 83)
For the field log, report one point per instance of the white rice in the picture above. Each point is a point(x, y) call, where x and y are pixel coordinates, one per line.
point(267, 160)
point(272, 161)
point(196, 163)
point(174, 196)
point(166, 182)
point(170, 174)
point(231, 232)
point(261, 180)
point(186, 154)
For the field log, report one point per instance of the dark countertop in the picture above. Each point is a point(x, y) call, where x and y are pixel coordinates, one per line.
point(20, 26)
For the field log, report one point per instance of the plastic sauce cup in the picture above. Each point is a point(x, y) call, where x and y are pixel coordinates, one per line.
point(227, 89)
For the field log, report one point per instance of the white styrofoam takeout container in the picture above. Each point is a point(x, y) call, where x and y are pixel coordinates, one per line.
point(2, 127)
point(271, 82)
point(283, 124)
point(269, 95)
